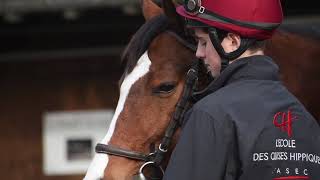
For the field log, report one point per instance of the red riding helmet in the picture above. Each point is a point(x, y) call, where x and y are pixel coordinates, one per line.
point(249, 18)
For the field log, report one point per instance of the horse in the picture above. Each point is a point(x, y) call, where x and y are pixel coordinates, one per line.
point(157, 60)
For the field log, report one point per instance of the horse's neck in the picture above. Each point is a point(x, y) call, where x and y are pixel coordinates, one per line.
point(297, 55)
point(293, 42)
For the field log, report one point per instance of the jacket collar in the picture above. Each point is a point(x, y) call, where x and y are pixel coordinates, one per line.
point(257, 67)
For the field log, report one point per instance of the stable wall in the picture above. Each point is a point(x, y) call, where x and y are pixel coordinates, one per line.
point(28, 89)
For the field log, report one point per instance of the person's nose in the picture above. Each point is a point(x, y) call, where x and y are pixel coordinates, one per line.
point(200, 52)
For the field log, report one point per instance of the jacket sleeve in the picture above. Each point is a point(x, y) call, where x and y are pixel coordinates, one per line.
point(206, 150)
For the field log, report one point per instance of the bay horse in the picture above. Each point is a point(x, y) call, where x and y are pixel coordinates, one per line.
point(156, 64)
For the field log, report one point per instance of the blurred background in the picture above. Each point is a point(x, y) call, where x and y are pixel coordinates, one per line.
point(59, 68)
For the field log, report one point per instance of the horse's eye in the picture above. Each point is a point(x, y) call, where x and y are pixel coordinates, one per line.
point(164, 88)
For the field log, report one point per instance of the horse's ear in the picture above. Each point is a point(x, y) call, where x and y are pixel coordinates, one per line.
point(150, 9)
point(175, 20)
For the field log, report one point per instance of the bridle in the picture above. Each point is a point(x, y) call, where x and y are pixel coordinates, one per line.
point(156, 157)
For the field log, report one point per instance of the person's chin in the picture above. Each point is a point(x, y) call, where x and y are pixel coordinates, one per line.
point(214, 73)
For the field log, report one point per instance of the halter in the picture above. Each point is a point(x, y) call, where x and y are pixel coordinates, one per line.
point(155, 158)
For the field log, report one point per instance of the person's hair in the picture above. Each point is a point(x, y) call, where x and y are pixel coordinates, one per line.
point(255, 46)
point(258, 45)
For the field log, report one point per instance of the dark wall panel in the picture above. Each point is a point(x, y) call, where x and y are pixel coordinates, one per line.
point(30, 89)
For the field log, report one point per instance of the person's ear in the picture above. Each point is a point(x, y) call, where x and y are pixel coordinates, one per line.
point(232, 42)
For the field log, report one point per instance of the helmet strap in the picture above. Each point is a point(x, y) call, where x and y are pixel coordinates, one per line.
point(227, 57)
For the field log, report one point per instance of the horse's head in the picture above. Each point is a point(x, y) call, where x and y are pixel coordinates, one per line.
point(157, 60)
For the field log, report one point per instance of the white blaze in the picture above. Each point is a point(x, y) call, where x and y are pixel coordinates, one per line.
point(100, 161)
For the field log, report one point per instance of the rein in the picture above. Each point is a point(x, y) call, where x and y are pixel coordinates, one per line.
point(155, 158)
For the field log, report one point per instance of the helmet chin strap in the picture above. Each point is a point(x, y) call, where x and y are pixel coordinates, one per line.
point(227, 57)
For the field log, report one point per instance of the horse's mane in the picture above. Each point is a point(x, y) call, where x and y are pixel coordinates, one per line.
point(141, 40)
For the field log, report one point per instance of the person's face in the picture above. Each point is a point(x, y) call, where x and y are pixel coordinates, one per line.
point(207, 53)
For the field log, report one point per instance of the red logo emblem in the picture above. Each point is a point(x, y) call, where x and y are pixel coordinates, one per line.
point(283, 121)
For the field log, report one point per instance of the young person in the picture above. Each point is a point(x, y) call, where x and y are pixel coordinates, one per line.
point(247, 126)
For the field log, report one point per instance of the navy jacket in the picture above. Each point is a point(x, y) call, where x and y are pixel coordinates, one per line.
point(248, 127)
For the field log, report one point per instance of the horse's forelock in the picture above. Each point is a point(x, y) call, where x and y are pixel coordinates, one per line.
point(140, 42)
